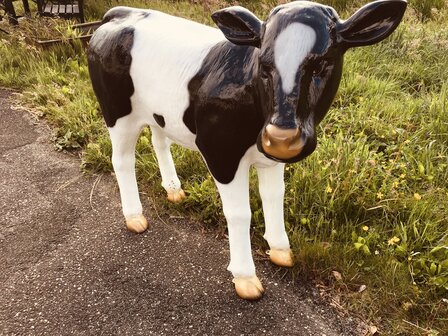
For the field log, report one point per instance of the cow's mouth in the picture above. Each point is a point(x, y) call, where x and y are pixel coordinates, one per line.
point(282, 144)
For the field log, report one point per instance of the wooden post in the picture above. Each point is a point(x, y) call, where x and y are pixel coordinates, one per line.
point(26, 7)
point(81, 10)
point(9, 7)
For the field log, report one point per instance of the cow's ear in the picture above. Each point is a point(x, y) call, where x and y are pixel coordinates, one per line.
point(372, 23)
point(239, 25)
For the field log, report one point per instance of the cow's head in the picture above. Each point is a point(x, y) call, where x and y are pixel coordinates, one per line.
point(301, 47)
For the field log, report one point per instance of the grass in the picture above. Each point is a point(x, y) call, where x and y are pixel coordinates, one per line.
point(370, 205)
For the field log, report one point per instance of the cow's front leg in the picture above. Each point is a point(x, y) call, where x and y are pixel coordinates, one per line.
point(124, 136)
point(236, 207)
point(272, 192)
point(170, 181)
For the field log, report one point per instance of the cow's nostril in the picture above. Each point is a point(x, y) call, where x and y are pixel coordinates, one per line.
point(281, 143)
point(281, 133)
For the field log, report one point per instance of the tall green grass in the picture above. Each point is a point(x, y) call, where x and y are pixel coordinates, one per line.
point(370, 203)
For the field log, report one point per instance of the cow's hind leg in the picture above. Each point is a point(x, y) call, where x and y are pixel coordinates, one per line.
point(272, 191)
point(170, 181)
point(124, 136)
point(236, 207)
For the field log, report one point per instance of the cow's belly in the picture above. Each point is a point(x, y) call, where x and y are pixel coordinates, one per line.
point(144, 109)
point(181, 135)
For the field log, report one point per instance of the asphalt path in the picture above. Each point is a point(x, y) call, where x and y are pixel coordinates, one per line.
point(68, 266)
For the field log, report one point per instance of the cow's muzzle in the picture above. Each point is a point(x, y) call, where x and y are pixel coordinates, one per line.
point(281, 143)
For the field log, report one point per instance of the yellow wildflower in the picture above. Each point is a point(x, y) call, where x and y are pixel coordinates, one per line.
point(379, 195)
point(365, 228)
point(417, 196)
point(394, 240)
point(329, 190)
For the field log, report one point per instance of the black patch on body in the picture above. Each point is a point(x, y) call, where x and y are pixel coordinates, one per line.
point(224, 111)
point(109, 58)
point(160, 120)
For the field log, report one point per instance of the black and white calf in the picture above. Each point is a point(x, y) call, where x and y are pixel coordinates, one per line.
point(248, 93)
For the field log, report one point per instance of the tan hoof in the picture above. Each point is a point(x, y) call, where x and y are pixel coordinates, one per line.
point(249, 288)
point(176, 196)
point(281, 257)
point(137, 224)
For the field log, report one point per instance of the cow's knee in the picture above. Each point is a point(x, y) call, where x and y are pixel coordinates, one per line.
point(123, 161)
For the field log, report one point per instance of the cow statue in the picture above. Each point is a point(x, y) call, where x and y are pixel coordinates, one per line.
point(249, 93)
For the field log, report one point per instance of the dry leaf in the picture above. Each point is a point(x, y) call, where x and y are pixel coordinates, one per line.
point(362, 288)
point(337, 275)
